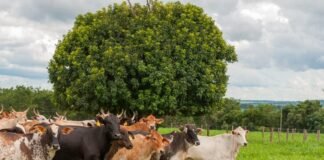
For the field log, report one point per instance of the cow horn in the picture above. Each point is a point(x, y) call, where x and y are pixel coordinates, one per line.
point(57, 114)
point(35, 112)
point(121, 114)
point(12, 110)
point(1, 109)
point(125, 114)
point(102, 111)
point(134, 115)
point(26, 110)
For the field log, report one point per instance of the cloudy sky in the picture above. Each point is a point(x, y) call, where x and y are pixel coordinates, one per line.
point(280, 44)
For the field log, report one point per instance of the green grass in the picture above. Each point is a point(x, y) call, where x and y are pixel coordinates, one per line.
point(292, 150)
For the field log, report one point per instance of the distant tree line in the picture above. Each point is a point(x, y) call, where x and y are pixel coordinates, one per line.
point(304, 115)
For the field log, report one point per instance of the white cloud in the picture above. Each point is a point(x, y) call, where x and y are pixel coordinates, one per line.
point(280, 44)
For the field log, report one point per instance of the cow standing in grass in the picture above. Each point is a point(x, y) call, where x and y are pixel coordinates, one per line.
point(220, 147)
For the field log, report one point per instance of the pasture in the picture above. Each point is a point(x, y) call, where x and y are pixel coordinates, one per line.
point(292, 150)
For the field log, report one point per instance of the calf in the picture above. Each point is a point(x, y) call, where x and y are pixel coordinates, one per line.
point(143, 147)
point(83, 143)
point(182, 141)
point(39, 145)
point(220, 147)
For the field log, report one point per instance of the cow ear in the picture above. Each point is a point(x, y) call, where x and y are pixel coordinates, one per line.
point(131, 134)
point(144, 119)
point(234, 133)
point(39, 129)
point(66, 130)
point(159, 121)
point(199, 131)
point(100, 119)
point(166, 141)
point(183, 129)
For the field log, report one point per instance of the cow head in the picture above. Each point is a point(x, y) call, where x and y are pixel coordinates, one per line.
point(158, 142)
point(40, 118)
point(151, 121)
point(240, 136)
point(127, 121)
point(125, 140)
point(20, 116)
point(191, 134)
point(111, 124)
point(49, 135)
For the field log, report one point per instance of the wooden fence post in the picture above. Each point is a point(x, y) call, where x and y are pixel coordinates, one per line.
point(207, 126)
point(287, 134)
point(318, 135)
point(263, 134)
point(305, 135)
point(271, 135)
point(279, 131)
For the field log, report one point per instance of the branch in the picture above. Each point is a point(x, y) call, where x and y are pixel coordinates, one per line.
point(131, 7)
point(148, 5)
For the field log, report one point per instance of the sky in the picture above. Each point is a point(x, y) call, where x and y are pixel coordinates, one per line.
point(280, 44)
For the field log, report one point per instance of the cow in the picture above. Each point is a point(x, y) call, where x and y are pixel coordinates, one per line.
point(39, 145)
point(127, 121)
point(182, 141)
point(143, 147)
point(124, 142)
point(40, 118)
point(84, 123)
point(220, 147)
point(20, 116)
point(81, 143)
point(144, 124)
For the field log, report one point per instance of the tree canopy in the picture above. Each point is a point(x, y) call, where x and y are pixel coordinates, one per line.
point(169, 58)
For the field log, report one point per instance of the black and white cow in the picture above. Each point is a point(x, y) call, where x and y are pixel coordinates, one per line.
point(182, 141)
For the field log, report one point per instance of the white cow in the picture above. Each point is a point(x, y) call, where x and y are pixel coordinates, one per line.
point(220, 147)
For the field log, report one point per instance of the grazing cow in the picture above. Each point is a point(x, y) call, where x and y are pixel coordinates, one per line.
point(220, 147)
point(124, 142)
point(39, 145)
point(143, 147)
point(182, 141)
point(81, 143)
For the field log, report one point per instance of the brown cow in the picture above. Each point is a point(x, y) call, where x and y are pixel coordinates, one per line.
point(145, 124)
point(143, 147)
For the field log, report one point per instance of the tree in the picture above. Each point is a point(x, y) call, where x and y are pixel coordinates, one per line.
point(168, 59)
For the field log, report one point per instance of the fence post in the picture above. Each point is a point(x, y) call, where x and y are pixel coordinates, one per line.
point(263, 134)
point(287, 134)
point(305, 135)
point(207, 129)
point(318, 135)
point(271, 135)
point(279, 134)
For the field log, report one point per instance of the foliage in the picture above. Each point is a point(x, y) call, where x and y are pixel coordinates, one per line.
point(170, 59)
point(21, 97)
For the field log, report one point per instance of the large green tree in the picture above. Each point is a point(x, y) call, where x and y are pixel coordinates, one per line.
point(164, 59)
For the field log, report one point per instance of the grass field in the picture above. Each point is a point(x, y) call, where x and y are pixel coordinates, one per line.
point(292, 150)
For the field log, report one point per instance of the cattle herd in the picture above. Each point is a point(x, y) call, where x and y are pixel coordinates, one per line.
point(108, 137)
